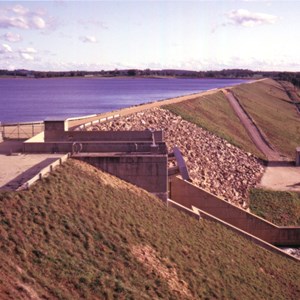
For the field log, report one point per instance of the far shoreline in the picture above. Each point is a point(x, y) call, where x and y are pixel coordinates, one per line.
point(124, 77)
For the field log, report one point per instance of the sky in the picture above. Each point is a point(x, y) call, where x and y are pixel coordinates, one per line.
point(190, 35)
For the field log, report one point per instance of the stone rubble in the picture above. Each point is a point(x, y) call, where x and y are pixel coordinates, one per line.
point(213, 163)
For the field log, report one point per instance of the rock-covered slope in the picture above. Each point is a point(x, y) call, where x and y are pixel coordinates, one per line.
point(214, 164)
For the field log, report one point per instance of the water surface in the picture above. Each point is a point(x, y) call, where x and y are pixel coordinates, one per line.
point(25, 100)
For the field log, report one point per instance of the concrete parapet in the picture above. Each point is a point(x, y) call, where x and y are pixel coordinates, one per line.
point(96, 146)
point(42, 173)
point(105, 136)
point(199, 214)
point(189, 195)
point(288, 234)
point(297, 156)
point(192, 213)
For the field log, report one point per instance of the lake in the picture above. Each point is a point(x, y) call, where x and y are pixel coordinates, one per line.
point(26, 100)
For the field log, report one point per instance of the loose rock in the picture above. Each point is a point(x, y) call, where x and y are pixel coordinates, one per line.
point(213, 163)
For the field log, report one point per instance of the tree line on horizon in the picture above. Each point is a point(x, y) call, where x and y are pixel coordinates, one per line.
point(293, 77)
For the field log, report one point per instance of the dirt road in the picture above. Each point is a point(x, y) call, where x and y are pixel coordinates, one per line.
point(254, 132)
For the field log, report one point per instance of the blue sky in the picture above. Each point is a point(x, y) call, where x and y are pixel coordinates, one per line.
point(193, 35)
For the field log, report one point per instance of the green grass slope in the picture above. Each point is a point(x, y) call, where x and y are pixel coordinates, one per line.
point(273, 111)
point(280, 208)
point(83, 234)
point(214, 113)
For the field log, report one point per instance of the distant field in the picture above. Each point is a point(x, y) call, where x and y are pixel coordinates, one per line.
point(214, 113)
point(280, 208)
point(269, 105)
point(83, 234)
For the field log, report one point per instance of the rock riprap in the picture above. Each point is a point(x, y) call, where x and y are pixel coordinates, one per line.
point(213, 163)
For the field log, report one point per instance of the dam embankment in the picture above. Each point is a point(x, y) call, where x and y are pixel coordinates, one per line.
point(213, 163)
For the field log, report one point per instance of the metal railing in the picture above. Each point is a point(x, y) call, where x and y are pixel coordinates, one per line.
point(20, 131)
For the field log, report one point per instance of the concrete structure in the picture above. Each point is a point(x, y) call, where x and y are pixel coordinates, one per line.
point(191, 196)
point(297, 156)
point(148, 171)
point(199, 214)
point(139, 157)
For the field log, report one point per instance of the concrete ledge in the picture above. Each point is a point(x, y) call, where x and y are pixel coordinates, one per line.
point(192, 213)
point(246, 235)
point(93, 122)
point(189, 195)
point(109, 136)
point(43, 172)
point(32, 146)
point(199, 214)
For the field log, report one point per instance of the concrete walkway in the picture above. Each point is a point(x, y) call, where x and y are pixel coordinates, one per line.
point(254, 132)
point(281, 177)
point(17, 168)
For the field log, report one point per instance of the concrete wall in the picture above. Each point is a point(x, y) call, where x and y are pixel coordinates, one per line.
point(189, 195)
point(96, 146)
point(146, 171)
point(60, 135)
point(200, 214)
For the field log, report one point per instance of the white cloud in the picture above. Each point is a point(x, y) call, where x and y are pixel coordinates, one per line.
point(88, 39)
point(26, 56)
point(18, 16)
point(243, 17)
point(29, 50)
point(27, 53)
point(38, 22)
point(19, 9)
point(4, 48)
point(11, 37)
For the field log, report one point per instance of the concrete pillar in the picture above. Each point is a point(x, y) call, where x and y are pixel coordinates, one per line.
point(297, 156)
point(55, 129)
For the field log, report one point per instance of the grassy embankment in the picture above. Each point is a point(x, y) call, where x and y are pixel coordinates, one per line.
point(280, 208)
point(81, 233)
point(214, 113)
point(275, 113)
point(272, 110)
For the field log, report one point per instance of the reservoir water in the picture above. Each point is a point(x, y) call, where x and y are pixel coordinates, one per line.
point(26, 100)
